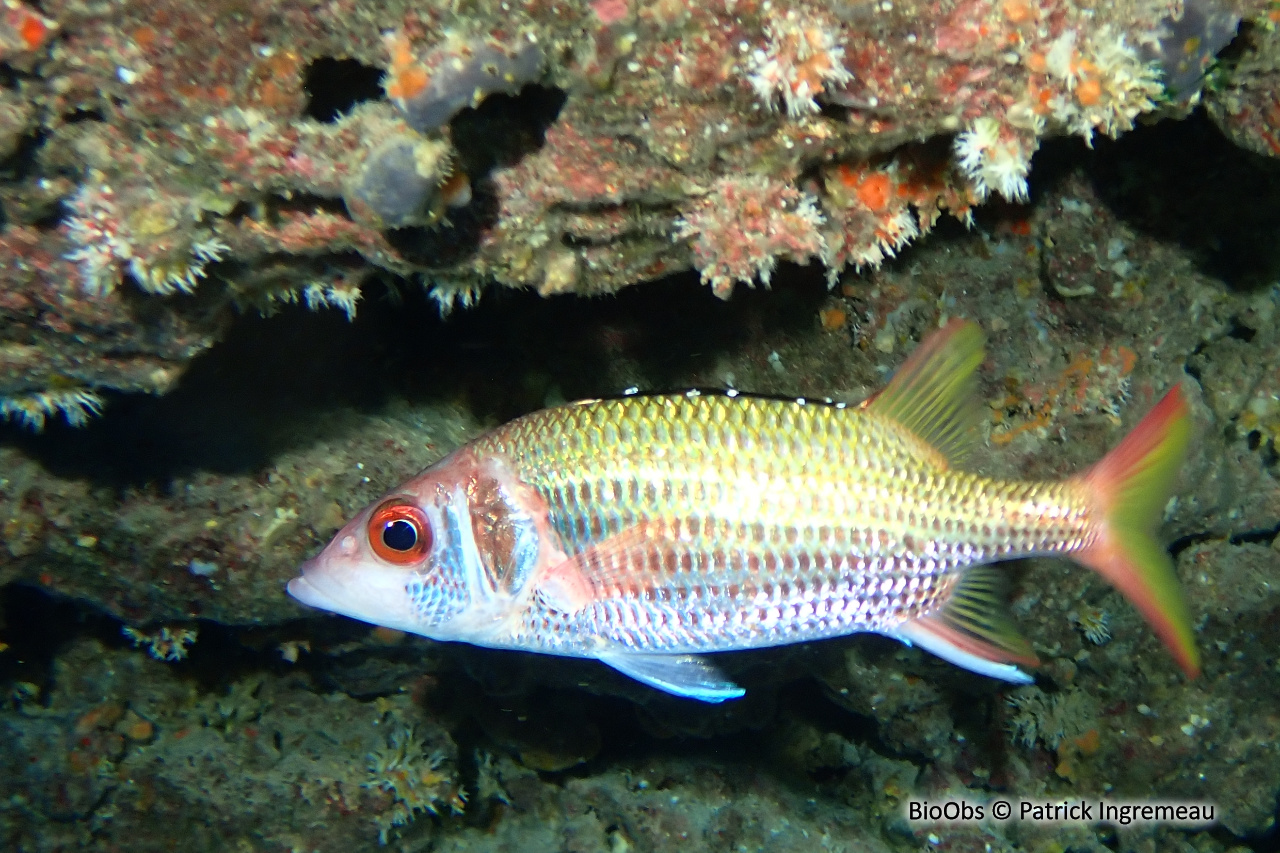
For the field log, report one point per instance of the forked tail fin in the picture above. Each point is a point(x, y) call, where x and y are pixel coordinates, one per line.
point(1131, 486)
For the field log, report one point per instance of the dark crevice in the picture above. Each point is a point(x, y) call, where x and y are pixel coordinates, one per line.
point(83, 114)
point(21, 164)
point(1258, 536)
point(275, 382)
point(640, 234)
point(1183, 182)
point(1261, 536)
point(1180, 183)
point(335, 86)
point(304, 203)
point(1240, 332)
point(807, 700)
point(37, 626)
point(1270, 455)
point(1182, 543)
point(9, 76)
point(504, 128)
point(455, 237)
point(272, 206)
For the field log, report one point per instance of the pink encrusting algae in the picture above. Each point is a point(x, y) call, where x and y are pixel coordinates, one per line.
point(646, 531)
point(650, 131)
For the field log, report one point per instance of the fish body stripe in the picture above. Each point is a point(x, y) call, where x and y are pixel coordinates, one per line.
point(762, 521)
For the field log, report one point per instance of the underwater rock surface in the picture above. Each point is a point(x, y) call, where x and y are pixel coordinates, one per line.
point(211, 264)
point(289, 153)
point(218, 709)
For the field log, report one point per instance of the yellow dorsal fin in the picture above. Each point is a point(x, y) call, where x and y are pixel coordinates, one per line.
point(934, 392)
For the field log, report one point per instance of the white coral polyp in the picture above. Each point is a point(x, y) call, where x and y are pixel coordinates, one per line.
point(1127, 85)
point(800, 60)
point(995, 158)
point(76, 405)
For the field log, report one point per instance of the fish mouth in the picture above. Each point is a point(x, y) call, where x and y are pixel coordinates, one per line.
point(378, 600)
point(306, 592)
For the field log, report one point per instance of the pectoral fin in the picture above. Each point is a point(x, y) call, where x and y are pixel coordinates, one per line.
point(619, 559)
point(571, 584)
point(689, 676)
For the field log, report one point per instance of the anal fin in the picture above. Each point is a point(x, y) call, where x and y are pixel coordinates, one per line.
point(972, 631)
point(690, 676)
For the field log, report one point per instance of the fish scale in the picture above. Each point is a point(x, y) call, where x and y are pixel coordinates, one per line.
point(770, 517)
point(646, 532)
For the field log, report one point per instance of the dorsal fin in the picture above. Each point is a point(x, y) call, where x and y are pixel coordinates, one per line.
point(934, 392)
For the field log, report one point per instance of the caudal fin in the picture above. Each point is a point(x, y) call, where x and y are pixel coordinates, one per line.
point(1131, 486)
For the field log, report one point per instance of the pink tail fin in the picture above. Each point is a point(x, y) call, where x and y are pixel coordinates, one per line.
point(1131, 486)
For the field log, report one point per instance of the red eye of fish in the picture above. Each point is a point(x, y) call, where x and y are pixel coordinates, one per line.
point(399, 533)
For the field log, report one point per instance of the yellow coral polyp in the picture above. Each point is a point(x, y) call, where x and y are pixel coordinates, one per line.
point(151, 221)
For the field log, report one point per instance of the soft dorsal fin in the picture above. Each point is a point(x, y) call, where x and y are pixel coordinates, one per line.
point(934, 392)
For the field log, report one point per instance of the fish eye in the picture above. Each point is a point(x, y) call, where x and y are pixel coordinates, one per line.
point(398, 532)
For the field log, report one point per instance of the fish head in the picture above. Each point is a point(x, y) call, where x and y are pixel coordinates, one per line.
point(403, 561)
point(452, 554)
point(352, 578)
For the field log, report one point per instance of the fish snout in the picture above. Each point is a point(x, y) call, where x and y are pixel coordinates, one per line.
point(304, 590)
point(360, 589)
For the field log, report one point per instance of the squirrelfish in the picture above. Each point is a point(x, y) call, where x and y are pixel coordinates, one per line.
point(647, 531)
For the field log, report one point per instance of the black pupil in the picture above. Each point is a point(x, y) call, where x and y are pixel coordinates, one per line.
point(399, 535)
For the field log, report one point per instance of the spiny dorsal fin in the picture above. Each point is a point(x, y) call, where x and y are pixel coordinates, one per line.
point(934, 392)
